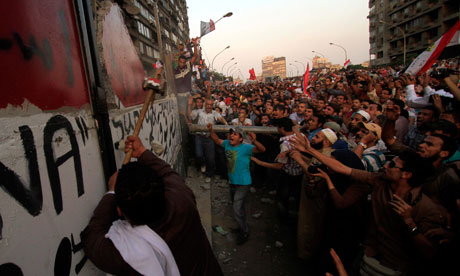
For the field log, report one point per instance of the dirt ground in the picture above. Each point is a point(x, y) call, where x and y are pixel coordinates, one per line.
point(271, 248)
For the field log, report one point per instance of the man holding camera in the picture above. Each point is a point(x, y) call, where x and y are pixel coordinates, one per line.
point(313, 196)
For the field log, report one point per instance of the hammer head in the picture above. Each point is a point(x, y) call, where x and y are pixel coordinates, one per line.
point(154, 84)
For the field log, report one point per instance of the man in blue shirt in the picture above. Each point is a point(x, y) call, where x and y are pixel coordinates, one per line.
point(238, 157)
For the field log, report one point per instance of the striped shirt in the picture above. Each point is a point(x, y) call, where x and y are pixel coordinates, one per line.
point(373, 159)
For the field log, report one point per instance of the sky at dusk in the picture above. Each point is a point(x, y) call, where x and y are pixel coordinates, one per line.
point(289, 28)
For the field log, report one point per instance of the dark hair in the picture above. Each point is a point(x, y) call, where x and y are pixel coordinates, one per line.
point(321, 119)
point(448, 144)
point(448, 128)
point(399, 103)
point(182, 57)
point(280, 107)
point(140, 193)
point(420, 168)
point(434, 109)
point(284, 123)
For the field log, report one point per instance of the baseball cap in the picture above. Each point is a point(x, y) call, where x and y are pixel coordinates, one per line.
point(372, 127)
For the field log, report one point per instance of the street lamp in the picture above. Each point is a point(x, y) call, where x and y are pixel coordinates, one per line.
point(212, 63)
point(318, 53)
point(222, 70)
point(404, 39)
point(295, 67)
point(330, 43)
point(228, 14)
point(302, 64)
point(231, 67)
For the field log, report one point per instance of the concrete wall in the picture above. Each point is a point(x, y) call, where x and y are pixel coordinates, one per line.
point(51, 168)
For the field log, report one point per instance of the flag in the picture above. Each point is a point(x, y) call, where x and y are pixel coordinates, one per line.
point(252, 74)
point(346, 63)
point(207, 27)
point(426, 59)
point(305, 80)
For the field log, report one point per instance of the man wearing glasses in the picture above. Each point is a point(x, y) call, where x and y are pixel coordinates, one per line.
point(401, 213)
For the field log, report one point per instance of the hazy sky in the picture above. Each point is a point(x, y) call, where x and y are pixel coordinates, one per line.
point(289, 28)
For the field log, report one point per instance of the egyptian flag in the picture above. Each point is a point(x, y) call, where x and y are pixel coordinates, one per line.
point(305, 80)
point(346, 63)
point(207, 27)
point(252, 74)
point(426, 59)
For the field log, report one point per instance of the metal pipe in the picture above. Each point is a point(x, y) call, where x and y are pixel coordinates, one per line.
point(226, 128)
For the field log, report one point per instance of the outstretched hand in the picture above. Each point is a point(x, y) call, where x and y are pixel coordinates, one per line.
point(301, 143)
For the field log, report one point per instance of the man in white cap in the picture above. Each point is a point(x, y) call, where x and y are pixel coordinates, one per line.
point(313, 197)
point(360, 116)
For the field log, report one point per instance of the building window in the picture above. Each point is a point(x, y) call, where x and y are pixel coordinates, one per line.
point(156, 54)
point(149, 51)
point(143, 30)
point(141, 47)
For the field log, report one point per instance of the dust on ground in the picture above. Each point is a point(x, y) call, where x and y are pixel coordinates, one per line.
point(271, 248)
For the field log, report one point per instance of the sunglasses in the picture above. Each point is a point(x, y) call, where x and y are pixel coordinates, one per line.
point(392, 164)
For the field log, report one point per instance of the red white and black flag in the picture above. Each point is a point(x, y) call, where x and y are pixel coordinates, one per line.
point(207, 27)
point(426, 59)
point(346, 63)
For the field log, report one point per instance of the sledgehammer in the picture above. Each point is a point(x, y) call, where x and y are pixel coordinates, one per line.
point(151, 85)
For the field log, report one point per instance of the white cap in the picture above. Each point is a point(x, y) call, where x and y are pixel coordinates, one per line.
point(330, 135)
point(364, 114)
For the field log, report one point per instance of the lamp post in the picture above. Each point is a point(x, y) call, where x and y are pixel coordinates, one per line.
point(212, 63)
point(231, 67)
point(222, 70)
point(230, 71)
point(330, 43)
point(404, 39)
point(302, 65)
point(228, 14)
point(297, 68)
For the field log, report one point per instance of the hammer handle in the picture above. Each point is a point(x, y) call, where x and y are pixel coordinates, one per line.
point(148, 99)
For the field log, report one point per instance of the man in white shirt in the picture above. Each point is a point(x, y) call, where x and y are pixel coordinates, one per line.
point(204, 146)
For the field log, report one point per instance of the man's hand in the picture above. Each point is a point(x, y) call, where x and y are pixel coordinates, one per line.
point(209, 126)
point(113, 181)
point(401, 207)
point(252, 136)
point(408, 79)
point(207, 83)
point(300, 143)
point(134, 143)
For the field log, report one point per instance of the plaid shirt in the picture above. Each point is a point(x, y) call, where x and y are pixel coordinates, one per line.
point(291, 167)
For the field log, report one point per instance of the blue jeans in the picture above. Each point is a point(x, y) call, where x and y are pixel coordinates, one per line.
point(204, 153)
point(238, 195)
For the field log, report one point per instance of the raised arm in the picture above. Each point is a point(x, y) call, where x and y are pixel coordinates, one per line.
point(258, 146)
point(302, 144)
point(214, 136)
point(195, 50)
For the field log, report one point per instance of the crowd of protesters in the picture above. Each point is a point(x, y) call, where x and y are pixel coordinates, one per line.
point(365, 161)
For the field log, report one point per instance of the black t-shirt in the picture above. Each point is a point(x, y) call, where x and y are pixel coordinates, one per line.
point(183, 78)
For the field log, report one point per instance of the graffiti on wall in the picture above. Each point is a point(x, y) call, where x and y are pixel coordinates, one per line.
point(41, 55)
point(121, 60)
point(161, 125)
point(57, 160)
